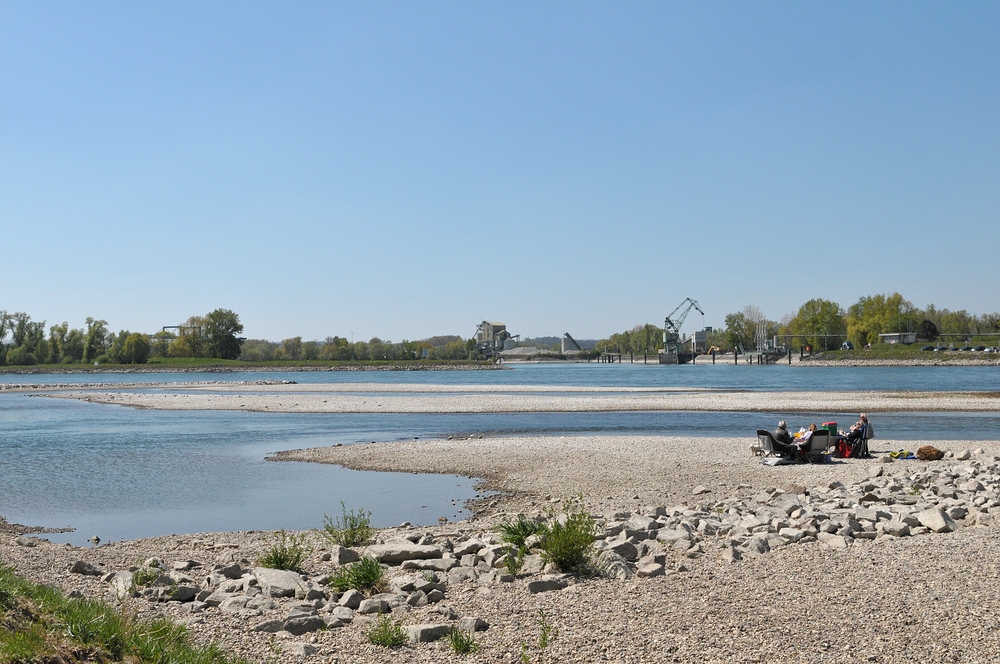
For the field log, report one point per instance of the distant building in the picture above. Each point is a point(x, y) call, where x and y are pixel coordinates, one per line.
point(898, 338)
point(493, 337)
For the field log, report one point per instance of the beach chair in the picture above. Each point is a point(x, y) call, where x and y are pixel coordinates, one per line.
point(768, 445)
point(861, 444)
point(819, 442)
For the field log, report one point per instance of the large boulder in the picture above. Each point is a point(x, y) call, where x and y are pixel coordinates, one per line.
point(427, 632)
point(936, 520)
point(280, 582)
point(396, 552)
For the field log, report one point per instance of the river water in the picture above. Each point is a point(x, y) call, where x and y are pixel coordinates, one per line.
point(122, 473)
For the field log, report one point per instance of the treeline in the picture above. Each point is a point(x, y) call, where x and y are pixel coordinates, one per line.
point(341, 349)
point(214, 335)
point(823, 324)
point(24, 341)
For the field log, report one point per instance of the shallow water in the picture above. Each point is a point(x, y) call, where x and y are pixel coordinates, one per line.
point(122, 473)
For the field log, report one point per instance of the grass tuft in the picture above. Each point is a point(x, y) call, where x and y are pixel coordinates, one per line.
point(365, 575)
point(286, 551)
point(350, 529)
point(517, 531)
point(462, 643)
point(387, 633)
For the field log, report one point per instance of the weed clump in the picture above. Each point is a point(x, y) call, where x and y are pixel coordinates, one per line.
point(286, 551)
point(387, 633)
point(568, 544)
point(350, 529)
point(461, 643)
point(365, 575)
point(518, 531)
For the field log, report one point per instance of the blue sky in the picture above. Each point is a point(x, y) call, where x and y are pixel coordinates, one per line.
point(408, 169)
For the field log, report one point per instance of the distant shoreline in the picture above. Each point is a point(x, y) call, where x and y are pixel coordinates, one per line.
point(250, 368)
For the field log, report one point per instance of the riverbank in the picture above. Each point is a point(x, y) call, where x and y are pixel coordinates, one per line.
point(933, 589)
point(235, 367)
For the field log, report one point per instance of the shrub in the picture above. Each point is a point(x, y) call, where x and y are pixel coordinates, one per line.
point(516, 532)
point(462, 643)
point(350, 529)
point(364, 575)
point(568, 545)
point(515, 560)
point(387, 633)
point(145, 576)
point(287, 551)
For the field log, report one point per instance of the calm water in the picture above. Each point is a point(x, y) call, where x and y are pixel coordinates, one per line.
point(123, 473)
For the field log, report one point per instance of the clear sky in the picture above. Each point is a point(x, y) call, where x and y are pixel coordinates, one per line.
point(409, 169)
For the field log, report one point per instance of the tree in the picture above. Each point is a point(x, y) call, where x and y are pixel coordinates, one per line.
point(136, 349)
point(879, 314)
point(96, 342)
point(927, 330)
point(190, 339)
point(221, 329)
point(815, 320)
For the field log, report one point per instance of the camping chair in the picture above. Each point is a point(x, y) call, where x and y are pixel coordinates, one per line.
point(768, 445)
point(861, 444)
point(819, 442)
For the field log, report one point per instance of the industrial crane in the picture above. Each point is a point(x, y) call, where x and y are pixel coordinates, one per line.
point(673, 322)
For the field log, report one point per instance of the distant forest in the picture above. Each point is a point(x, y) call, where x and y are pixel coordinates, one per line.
point(818, 323)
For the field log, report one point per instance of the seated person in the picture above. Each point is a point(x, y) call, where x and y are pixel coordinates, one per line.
point(858, 429)
point(783, 441)
point(804, 435)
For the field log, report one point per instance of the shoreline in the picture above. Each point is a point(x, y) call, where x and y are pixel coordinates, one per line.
point(157, 368)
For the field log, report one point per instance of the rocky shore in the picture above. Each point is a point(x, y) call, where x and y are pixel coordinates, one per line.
point(703, 554)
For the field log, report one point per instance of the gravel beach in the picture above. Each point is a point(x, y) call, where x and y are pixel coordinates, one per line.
point(927, 598)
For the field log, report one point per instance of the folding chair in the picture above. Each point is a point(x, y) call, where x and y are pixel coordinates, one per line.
point(819, 442)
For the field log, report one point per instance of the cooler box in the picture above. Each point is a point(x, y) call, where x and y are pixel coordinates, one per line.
point(831, 427)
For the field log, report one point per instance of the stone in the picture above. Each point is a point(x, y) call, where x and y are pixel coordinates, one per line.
point(303, 625)
point(896, 529)
point(417, 599)
point(396, 552)
point(547, 583)
point(370, 606)
point(431, 565)
point(468, 547)
point(649, 569)
point(341, 555)
point(298, 649)
point(280, 583)
point(180, 594)
point(700, 490)
point(964, 455)
point(614, 566)
point(86, 568)
point(832, 541)
point(791, 534)
point(435, 596)
point(462, 574)
point(123, 585)
point(532, 564)
point(343, 614)
point(233, 604)
point(936, 520)
point(196, 607)
point(185, 565)
point(625, 549)
point(427, 632)
point(731, 555)
point(270, 626)
point(639, 522)
point(470, 624)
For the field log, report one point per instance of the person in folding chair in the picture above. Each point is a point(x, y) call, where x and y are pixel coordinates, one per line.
point(783, 440)
point(859, 436)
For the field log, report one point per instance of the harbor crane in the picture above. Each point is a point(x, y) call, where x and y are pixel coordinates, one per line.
point(672, 326)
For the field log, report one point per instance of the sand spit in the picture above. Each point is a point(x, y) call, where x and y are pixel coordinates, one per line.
point(458, 399)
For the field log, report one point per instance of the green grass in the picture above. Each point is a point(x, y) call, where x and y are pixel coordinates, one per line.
point(350, 529)
point(182, 363)
point(461, 643)
point(387, 633)
point(286, 551)
point(520, 529)
point(40, 624)
point(365, 575)
point(145, 576)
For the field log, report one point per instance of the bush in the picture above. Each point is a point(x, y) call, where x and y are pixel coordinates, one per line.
point(387, 633)
point(365, 575)
point(462, 643)
point(568, 545)
point(287, 551)
point(351, 529)
point(520, 529)
point(145, 576)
